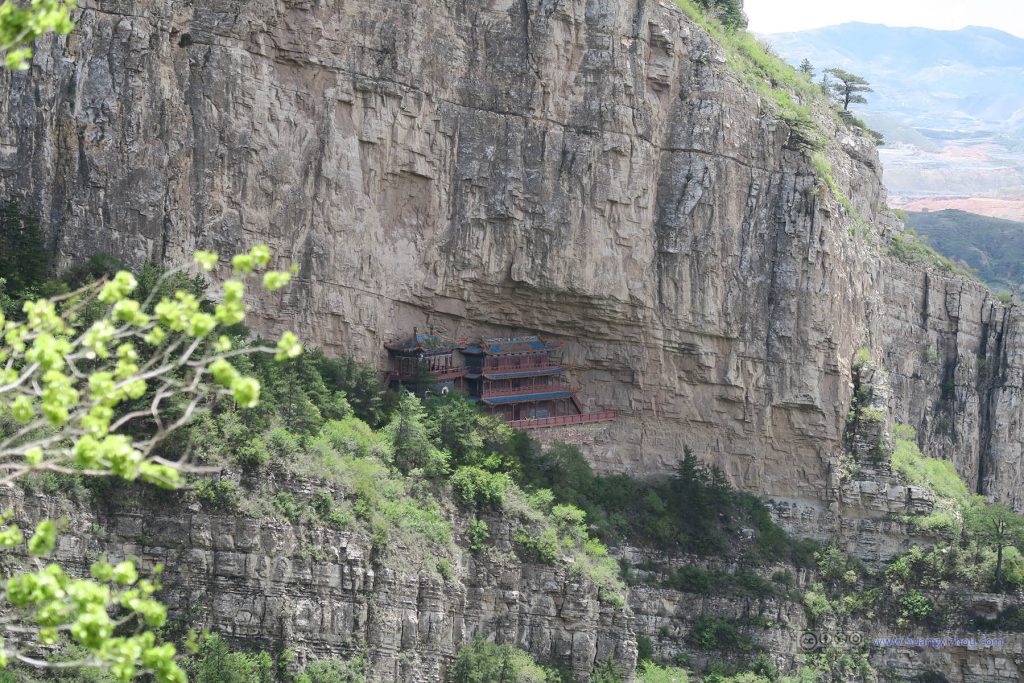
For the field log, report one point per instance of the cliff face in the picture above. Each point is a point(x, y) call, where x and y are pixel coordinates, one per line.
point(323, 593)
point(781, 626)
point(956, 360)
point(587, 171)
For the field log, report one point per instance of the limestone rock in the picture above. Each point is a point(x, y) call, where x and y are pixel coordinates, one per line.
point(588, 172)
point(317, 592)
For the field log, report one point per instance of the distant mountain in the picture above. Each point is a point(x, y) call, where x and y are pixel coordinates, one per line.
point(950, 104)
point(971, 79)
point(993, 247)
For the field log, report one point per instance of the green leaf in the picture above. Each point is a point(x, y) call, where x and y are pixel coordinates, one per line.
point(22, 409)
point(288, 347)
point(10, 537)
point(260, 255)
point(274, 280)
point(246, 391)
point(117, 289)
point(124, 574)
point(164, 476)
point(34, 456)
point(233, 291)
point(224, 373)
point(130, 311)
point(44, 540)
point(242, 263)
point(102, 571)
point(17, 60)
point(206, 259)
point(155, 337)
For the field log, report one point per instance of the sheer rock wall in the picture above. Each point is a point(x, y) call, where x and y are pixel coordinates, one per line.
point(589, 171)
point(323, 593)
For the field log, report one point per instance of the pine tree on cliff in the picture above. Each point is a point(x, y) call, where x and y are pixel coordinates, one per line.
point(410, 432)
point(807, 69)
point(729, 12)
point(996, 526)
point(24, 259)
point(847, 89)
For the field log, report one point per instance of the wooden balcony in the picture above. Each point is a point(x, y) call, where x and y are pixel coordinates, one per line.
point(562, 420)
point(524, 389)
point(497, 368)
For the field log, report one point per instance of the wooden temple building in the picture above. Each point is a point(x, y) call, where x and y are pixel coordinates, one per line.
point(522, 379)
point(425, 356)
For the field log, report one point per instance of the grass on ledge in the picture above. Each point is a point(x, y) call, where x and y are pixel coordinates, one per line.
point(787, 92)
point(910, 248)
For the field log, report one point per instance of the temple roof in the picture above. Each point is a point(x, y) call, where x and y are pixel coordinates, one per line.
point(508, 345)
point(521, 398)
point(427, 342)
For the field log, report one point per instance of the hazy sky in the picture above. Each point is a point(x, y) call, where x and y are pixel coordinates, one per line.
point(776, 16)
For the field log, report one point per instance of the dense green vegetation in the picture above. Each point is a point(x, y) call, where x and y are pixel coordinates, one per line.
point(485, 662)
point(389, 482)
point(389, 465)
point(992, 247)
point(649, 672)
point(981, 541)
point(306, 428)
point(976, 547)
point(939, 476)
point(909, 247)
point(211, 660)
point(695, 511)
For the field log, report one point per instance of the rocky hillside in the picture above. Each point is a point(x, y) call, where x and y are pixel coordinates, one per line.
point(324, 593)
point(991, 246)
point(966, 80)
point(948, 103)
point(595, 172)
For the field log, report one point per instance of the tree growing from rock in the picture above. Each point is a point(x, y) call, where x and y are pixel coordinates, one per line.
point(847, 88)
point(728, 12)
point(996, 526)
